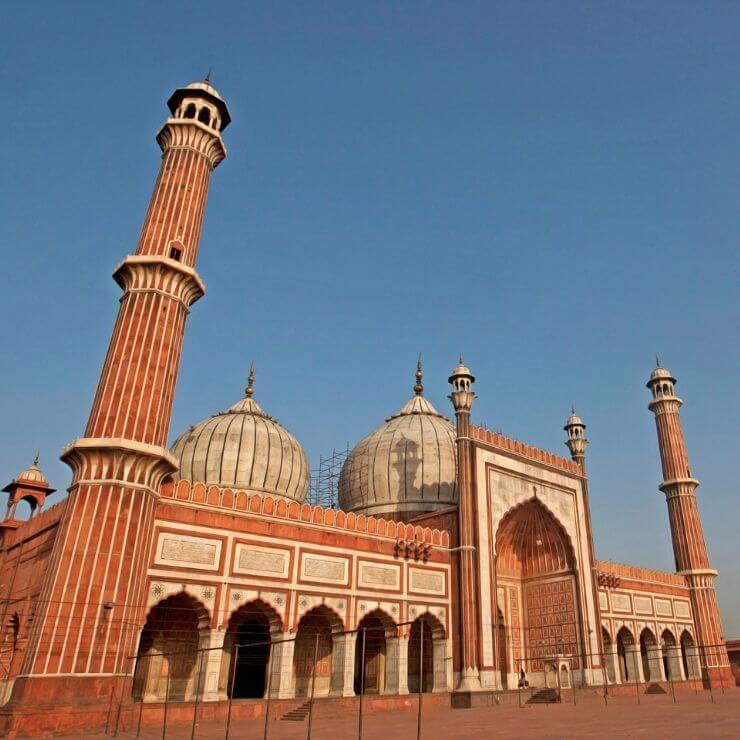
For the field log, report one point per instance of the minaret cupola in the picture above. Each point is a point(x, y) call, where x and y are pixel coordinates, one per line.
point(200, 101)
point(461, 380)
point(576, 431)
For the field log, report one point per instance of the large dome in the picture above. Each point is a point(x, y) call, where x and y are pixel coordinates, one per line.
point(407, 466)
point(244, 448)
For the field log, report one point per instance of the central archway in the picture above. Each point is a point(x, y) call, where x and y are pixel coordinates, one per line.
point(536, 574)
point(247, 643)
point(314, 651)
point(370, 675)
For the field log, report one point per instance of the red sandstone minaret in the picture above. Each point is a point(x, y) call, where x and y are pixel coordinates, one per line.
point(90, 608)
point(462, 398)
point(690, 550)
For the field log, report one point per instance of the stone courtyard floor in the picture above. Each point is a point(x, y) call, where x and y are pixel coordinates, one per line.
point(693, 716)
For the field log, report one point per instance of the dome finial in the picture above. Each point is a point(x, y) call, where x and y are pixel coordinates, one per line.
point(419, 387)
point(573, 409)
point(657, 361)
point(207, 78)
point(249, 391)
point(36, 458)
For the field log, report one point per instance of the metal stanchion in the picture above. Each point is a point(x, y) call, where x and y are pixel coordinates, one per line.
point(519, 688)
point(421, 680)
point(201, 653)
point(231, 689)
point(269, 691)
point(637, 678)
point(573, 686)
point(141, 701)
point(557, 670)
point(110, 707)
point(603, 675)
point(166, 700)
point(362, 684)
point(313, 682)
point(719, 669)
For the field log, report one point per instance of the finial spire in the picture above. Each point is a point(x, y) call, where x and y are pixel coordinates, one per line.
point(461, 359)
point(207, 78)
point(419, 387)
point(573, 409)
point(249, 391)
point(657, 361)
point(36, 459)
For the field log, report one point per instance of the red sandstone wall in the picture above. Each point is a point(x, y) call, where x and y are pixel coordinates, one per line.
point(23, 563)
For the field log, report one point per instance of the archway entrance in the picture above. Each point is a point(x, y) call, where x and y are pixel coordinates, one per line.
point(647, 650)
point(167, 659)
point(535, 571)
point(372, 679)
point(429, 663)
point(668, 653)
point(314, 640)
point(625, 641)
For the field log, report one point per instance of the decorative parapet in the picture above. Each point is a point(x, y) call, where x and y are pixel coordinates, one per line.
point(255, 503)
point(30, 528)
point(499, 441)
point(609, 572)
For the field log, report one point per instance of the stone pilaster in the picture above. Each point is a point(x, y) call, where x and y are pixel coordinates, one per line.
point(343, 665)
point(281, 682)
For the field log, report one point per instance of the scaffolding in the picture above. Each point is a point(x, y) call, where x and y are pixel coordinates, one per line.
point(324, 483)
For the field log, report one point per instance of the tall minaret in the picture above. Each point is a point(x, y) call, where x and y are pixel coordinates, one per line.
point(576, 442)
point(90, 608)
point(689, 548)
point(462, 398)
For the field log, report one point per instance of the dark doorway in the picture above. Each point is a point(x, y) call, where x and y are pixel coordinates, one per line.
point(252, 636)
point(373, 679)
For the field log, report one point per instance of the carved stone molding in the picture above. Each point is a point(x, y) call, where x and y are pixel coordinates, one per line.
point(192, 134)
point(155, 273)
point(119, 461)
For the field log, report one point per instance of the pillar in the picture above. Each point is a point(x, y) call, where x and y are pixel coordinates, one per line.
point(675, 664)
point(343, 664)
point(633, 658)
point(211, 672)
point(439, 657)
point(281, 680)
point(655, 661)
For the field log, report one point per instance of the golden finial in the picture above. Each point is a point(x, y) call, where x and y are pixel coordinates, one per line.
point(419, 387)
point(249, 391)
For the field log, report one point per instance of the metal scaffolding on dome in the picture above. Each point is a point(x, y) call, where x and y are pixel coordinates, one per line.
point(322, 490)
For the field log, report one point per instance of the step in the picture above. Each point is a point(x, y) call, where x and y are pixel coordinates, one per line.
point(298, 714)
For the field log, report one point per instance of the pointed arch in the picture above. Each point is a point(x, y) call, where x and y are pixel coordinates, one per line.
point(376, 630)
point(625, 648)
point(174, 630)
point(246, 651)
point(313, 651)
point(427, 653)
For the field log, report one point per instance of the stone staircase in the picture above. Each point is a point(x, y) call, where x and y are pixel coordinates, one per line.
point(655, 688)
point(298, 714)
point(544, 696)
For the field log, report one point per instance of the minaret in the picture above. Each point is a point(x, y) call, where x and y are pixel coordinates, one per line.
point(689, 548)
point(576, 442)
point(90, 608)
point(462, 398)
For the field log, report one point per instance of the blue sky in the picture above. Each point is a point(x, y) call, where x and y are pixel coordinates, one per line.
point(550, 188)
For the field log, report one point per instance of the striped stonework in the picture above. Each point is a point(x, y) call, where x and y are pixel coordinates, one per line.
point(689, 547)
point(92, 602)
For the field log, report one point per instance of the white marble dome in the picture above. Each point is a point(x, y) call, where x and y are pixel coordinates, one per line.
point(244, 448)
point(405, 467)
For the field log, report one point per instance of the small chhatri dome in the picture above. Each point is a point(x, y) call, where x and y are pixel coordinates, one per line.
point(407, 466)
point(573, 420)
point(244, 448)
point(33, 473)
point(660, 373)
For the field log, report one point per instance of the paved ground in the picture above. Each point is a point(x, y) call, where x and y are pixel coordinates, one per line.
point(694, 716)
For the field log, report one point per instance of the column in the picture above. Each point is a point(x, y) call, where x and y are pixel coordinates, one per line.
point(343, 665)
point(655, 661)
point(675, 664)
point(210, 690)
point(634, 663)
point(281, 681)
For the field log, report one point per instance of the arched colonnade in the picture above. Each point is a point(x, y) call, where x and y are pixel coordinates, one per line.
point(180, 656)
point(648, 659)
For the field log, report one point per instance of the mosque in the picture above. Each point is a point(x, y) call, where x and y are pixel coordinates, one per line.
point(457, 557)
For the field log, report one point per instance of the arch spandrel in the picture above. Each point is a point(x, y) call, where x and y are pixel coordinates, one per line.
point(202, 594)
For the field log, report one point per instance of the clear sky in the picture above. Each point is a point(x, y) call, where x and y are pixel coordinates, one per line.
point(550, 188)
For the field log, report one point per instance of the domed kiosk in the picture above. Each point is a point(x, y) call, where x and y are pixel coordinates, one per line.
point(244, 448)
point(405, 467)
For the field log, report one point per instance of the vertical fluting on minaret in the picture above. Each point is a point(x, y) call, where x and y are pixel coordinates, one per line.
point(462, 398)
point(91, 605)
point(689, 547)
